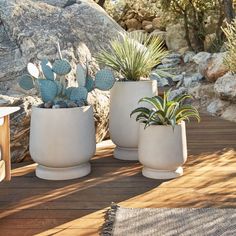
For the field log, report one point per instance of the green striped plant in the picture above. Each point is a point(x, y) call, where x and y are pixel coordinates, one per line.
point(165, 111)
point(133, 55)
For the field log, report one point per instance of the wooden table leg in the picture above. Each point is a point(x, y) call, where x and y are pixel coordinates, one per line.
point(5, 145)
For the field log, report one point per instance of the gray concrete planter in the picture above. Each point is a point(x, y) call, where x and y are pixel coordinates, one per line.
point(62, 141)
point(123, 129)
point(162, 151)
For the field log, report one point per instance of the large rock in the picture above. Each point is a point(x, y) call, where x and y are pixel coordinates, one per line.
point(230, 113)
point(225, 87)
point(160, 34)
point(201, 58)
point(217, 107)
point(29, 31)
point(175, 37)
point(157, 23)
point(215, 67)
point(145, 23)
point(133, 24)
point(148, 28)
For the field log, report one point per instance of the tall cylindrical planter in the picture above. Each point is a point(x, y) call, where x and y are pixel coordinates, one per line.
point(162, 150)
point(62, 141)
point(123, 129)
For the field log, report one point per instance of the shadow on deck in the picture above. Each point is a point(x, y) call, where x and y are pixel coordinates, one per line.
point(30, 206)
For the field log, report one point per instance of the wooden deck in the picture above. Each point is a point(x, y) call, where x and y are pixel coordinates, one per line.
point(30, 206)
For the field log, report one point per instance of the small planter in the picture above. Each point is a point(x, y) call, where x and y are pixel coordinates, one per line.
point(162, 151)
point(62, 141)
point(123, 129)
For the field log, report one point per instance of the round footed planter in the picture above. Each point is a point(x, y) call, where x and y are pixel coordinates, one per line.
point(162, 151)
point(128, 154)
point(62, 141)
point(74, 172)
point(123, 129)
point(162, 174)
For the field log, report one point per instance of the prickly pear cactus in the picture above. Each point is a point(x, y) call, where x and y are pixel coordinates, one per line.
point(47, 70)
point(78, 94)
point(48, 89)
point(89, 83)
point(104, 79)
point(61, 67)
point(50, 81)
point(68, 91)
point(26, 82)
point(33, 70)
point(59, 87)
point(81, 75)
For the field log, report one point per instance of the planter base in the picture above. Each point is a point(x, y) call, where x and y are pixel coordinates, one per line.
point(162, 174)
point(74, 172)
point(126, 154)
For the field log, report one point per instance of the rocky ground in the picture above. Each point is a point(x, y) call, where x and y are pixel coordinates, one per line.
point(206, 78)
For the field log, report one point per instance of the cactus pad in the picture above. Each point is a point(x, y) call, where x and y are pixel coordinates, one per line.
point(68, 92)
point(61, 67)
point(33, 70)
point(48, 89)
point(89, 84)
point(26, 82)
point(104, 79)
point(78, 94)
point(59, 87)
point(81, 75)
point(47, 70)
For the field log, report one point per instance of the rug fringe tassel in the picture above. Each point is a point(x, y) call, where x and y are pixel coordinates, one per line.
point(110, 216)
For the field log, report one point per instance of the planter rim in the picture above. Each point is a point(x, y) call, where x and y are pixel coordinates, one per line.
point(134, 81)
point(60, 109)
point(162, 126)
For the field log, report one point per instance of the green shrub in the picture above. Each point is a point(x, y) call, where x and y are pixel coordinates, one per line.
point(194, 15)
point(230, 58)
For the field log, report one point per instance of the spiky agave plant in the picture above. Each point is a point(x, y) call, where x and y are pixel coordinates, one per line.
point(165, 111)
point(133, 55)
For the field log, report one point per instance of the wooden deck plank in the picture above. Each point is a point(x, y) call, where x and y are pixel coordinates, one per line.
point(40, 207)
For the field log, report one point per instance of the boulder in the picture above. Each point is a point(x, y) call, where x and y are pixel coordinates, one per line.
point(209, 40)
point(217, 106)
point(175, 37)
point(172, 59)
point(145, 23)
point(177, 92)
point(130, 15)
point(230, 113)
point(159, 33)
point(188, 56)
point(215, 67)
point(157, 23)
point(203, 94)
point(201, 58)
point(148, 28)
point(192, 80)
point(133, 24)
point(29, 32)
point(225, 87)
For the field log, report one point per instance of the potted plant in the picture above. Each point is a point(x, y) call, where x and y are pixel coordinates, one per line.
point(133, 56)
point(162, 135)
point(62, 130)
